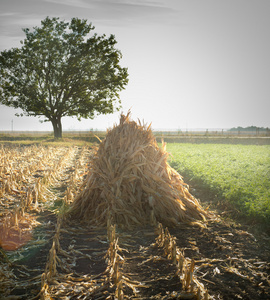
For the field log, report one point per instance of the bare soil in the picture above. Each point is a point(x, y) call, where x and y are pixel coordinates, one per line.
point(229, 261)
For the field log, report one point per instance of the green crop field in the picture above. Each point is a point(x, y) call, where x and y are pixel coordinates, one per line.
point(239, 174)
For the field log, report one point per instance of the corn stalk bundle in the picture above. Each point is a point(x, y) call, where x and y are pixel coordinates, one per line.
point(131, 182)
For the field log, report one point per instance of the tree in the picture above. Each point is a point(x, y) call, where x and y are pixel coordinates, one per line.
point(62, 71)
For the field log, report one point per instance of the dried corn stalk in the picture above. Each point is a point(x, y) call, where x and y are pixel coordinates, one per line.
point(130, 181)
point(191, 287)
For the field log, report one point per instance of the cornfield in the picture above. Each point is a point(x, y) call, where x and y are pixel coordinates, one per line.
point(97, 223)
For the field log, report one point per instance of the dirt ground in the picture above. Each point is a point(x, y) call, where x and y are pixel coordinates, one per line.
point(229, 261)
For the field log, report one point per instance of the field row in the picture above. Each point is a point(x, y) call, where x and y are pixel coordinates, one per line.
point(36, 183)
point(239, 174)
point(45, 255)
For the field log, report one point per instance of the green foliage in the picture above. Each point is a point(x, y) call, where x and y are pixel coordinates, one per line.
point(250, 128)
point(239, 173)
point(62, 71)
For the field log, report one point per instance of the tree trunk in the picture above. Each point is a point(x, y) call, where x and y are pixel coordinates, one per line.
point(57, 127)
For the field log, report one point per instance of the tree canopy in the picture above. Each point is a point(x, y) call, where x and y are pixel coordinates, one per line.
point(63, 70)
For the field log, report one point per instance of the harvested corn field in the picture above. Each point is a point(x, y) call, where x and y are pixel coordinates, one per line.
point(55, 245)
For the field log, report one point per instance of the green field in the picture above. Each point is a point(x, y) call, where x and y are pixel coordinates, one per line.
point(240, 174)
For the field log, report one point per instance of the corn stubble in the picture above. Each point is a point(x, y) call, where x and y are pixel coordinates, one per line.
point(131, 182)
point(192, 288)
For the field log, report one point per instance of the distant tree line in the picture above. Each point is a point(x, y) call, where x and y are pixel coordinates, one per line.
point(250, 128)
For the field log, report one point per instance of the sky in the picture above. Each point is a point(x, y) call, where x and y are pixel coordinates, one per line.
point(192, 64)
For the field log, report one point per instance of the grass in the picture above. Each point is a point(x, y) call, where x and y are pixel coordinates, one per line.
point(240, 174)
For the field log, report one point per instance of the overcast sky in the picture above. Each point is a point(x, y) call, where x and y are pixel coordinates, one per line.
point(191, 63)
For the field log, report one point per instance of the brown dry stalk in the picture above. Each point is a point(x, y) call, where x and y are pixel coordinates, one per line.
point(185, 267)
point(130, 180)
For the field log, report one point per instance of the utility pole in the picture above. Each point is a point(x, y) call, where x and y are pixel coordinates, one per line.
point(12, 125)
